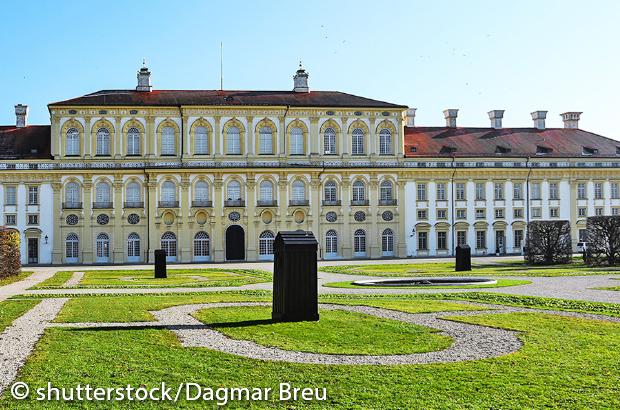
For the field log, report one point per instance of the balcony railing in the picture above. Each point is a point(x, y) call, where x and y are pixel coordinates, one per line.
point(270, 202)
point(134, 204)
point(362, 202)
point(299, 202)
point(168, 204)
point(331, 203)
point(202, 204)
point(102, 205)
point(387, 202)
point(72, 205)
point(234, 202)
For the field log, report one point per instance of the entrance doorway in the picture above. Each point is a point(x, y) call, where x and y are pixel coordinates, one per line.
point(235, 243)
point(33, 250)
point(500, 243)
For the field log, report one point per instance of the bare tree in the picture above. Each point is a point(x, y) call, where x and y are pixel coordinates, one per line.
point(603, 240)
point(548, 242)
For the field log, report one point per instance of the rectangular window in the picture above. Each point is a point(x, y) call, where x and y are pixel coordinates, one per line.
point(583, 235)
point(422, 241)
point(598, 211)
point(10, 219)
point(581, 190)
point(615, 211)
point(480, 194)
point(517, 191)
point(442, 240)
point(554, 212)
point(461, 238)
point(553, 191)
point(536, 190)
point(581, 212)
point(33, 195)
point(10, 195)
point(536, 213)
point(481, 239)
point(615, 193)
point(517, 213)
point(499, 213)
point(499, 191)
point(266, 141)
point(422, 214)
point(442, 214)
point(480, 214)
point(518, 236)
point(421, 192)
point(460, 191)
point(441, 192)
point(33, 219)
point(461, 214)
point(598, 190)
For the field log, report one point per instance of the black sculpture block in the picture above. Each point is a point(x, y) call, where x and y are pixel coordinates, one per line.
point(463, 258)
point(295, 288)
point(160, 264)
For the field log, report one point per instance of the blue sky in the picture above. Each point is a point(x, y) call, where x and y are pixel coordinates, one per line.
point(519, 56)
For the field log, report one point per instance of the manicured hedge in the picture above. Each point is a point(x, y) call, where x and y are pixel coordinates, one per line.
point(10, 263)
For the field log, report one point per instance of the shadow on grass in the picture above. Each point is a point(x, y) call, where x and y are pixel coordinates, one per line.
point(103, 327)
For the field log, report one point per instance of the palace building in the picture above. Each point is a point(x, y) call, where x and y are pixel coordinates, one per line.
point(213, 175)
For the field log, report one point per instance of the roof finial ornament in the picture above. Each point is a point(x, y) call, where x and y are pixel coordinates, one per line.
point(144, 62)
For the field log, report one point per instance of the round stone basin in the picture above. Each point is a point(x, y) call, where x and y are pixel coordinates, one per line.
point(446, 281)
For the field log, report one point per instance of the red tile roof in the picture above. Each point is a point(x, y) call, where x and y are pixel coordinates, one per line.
point(31, 142)
point(506, 142)
point(226, 98)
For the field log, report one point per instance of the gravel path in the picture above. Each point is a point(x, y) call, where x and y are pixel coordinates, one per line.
point(17, 341)
point(74, 280)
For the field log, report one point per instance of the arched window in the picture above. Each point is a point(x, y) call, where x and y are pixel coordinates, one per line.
point(359, 191)
point(359, 242)
point(133, 194)
point(201, 191)
point(233, 191)
point(102, 194)
point(167, 141)
point(72, 244)
point(329, 141)
point(201, 245)
point(73, 142)
point(385, 142)
point(233, 141)
point(133, 141)
point(103, 141)
point(266, 140)
point(357, 141)
point(133, 245)
point(169, 245)
point(299, 191)
point(103, 247)
point(297, 141)
point(386, 193)
point(329, 192)
point(265, 243)
point(331, 242)
point(266, 191)
point(387, 242)
point(72, 194)
point(168, 192)
point(201, 144)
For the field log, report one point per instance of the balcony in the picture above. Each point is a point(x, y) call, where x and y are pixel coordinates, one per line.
point(384, 202)
point(202, 204)
point(270, 202)
point(331, 203)
point(298, 202)
point(234, 202)
point(134, 204)
point(168, 204)
point(361, 202)
point(103, 205)
point(71, 205)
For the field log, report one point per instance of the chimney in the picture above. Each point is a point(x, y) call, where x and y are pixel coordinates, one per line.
point(300, 80)
point(144, 79)
point(571, 119)
point(450, 116)
point(411, 117)
point(539, 119)
point(496, 118)
point(21, 116)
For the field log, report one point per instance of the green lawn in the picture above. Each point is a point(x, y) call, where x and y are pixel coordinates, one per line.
point(564, 363)
point(500, 284)
point(337, 332)
point(145, 278)
point(14, 278)
point(512, 268)
point(12, 309)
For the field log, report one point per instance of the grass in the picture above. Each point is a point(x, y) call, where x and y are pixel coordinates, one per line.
point(337, 332)
point(145, 278)
point(14, 278)
point(564, 363)
point(500, 284)
point(512, 268)
point(609, 288)
point(12, 309)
